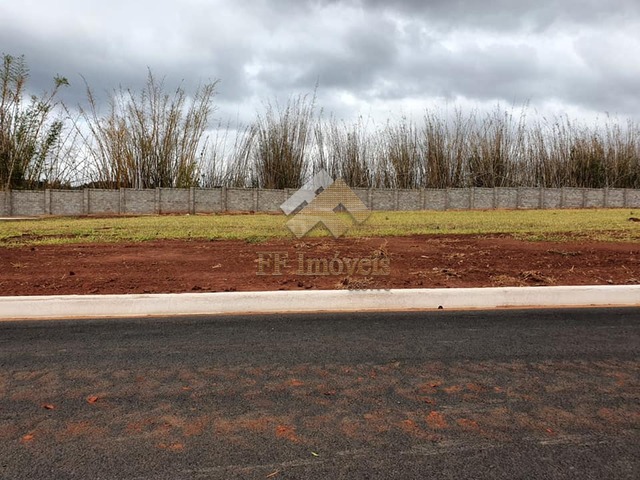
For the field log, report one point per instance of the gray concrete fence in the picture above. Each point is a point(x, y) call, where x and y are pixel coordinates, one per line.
point(194, 200)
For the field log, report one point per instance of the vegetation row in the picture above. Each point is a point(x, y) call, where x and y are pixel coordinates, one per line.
point(159, 138)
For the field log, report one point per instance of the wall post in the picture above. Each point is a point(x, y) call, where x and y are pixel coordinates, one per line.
point(541, 198)
point(8, 210)
point(121, 199)
point(47, 202)
point(156, 201)
point(85, 202)
point(192, 200)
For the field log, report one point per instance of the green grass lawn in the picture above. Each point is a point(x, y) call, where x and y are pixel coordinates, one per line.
point(602, 225)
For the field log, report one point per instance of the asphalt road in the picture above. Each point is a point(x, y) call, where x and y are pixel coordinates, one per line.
point(460, 395)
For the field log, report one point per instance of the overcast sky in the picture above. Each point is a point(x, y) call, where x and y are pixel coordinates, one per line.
point(368, 57)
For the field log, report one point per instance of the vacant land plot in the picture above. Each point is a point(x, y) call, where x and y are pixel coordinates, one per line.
point(227, 252)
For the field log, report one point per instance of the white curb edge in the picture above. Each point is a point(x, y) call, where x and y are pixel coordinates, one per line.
point(95, 306)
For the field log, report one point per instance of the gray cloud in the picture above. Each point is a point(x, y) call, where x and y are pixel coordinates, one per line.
point(370, 55)
point(495, 15)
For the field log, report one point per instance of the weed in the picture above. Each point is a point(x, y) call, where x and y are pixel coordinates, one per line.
point(382, 251)
point(350, 283)
point(536, 277)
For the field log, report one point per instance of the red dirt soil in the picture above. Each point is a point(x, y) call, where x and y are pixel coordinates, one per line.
point(413, 262)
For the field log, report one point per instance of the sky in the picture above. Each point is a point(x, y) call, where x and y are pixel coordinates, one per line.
point(370, 58)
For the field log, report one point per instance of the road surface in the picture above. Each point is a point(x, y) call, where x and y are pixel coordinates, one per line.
point(464, 395)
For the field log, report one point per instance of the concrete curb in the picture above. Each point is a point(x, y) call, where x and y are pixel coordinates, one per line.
point(95, 306)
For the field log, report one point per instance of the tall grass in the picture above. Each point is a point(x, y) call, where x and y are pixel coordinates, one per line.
point(152, 138)
point(31, 135)
point(499, 148)
point(345, 151)
point(280, 139)
point(227, 158)
point(149, 138)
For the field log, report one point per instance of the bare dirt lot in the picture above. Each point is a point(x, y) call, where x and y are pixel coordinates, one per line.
point(392, 262)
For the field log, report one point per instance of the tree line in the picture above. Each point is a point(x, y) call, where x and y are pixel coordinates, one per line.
point(159, 138)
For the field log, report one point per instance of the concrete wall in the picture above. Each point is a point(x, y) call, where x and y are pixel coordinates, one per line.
point(103, 201)
point(192, 200)
point(459, 199)
point(506, 197)
point(615, 197)
point(529, 198)
point(483, 198)
point(270, 200)
point(173, 200)
point(26, 203)
point(593, 198)
point(209, 201)
point(410, 200)
point(137, 201)
point(64, 202)
point(241, 199)
point(552, 198)
point(435, 199)
point(4, 204)
point(633, 199)
point(383, 199)
point(573, 198)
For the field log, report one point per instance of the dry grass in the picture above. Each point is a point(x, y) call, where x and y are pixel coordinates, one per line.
point(148, 139)
point(500, 148)
point(556, 225)
point(279, 140)
point(154, 139)
point(31, 139)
